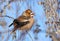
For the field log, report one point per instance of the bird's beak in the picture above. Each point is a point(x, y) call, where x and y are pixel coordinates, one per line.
point(32, 14)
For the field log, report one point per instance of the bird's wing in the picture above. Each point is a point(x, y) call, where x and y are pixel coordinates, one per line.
point(19, 24)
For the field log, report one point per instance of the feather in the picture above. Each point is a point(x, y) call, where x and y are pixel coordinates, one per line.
point(19, 24)
point(11, 24)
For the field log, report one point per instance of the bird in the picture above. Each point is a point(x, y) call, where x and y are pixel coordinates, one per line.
point(23, 22)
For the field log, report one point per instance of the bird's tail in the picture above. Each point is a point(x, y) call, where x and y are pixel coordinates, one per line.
point(11, 24)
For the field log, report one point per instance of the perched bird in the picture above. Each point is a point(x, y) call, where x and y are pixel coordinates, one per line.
point(24, 22)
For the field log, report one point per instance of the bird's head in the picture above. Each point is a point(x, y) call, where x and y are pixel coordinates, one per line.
point(28, 13)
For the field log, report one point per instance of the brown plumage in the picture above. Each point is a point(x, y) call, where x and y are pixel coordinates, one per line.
point(24, 22)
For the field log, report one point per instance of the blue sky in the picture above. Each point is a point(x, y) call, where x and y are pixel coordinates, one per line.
point(39, 16)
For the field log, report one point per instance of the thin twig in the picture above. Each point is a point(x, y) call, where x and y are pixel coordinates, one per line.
point(7, 16)
point(30, 36)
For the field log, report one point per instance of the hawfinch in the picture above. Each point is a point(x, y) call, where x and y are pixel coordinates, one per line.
point(24, 22)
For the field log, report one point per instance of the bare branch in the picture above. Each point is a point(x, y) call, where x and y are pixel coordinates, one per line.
point(29, 35)
point(7, 16)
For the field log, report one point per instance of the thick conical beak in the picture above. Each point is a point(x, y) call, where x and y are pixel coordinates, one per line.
point(32, 14)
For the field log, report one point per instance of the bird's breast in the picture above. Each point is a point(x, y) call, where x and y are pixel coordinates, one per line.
point(27, 26)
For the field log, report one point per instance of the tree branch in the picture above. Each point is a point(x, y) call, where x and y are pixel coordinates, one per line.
point(7, 16)
point(29, 35)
